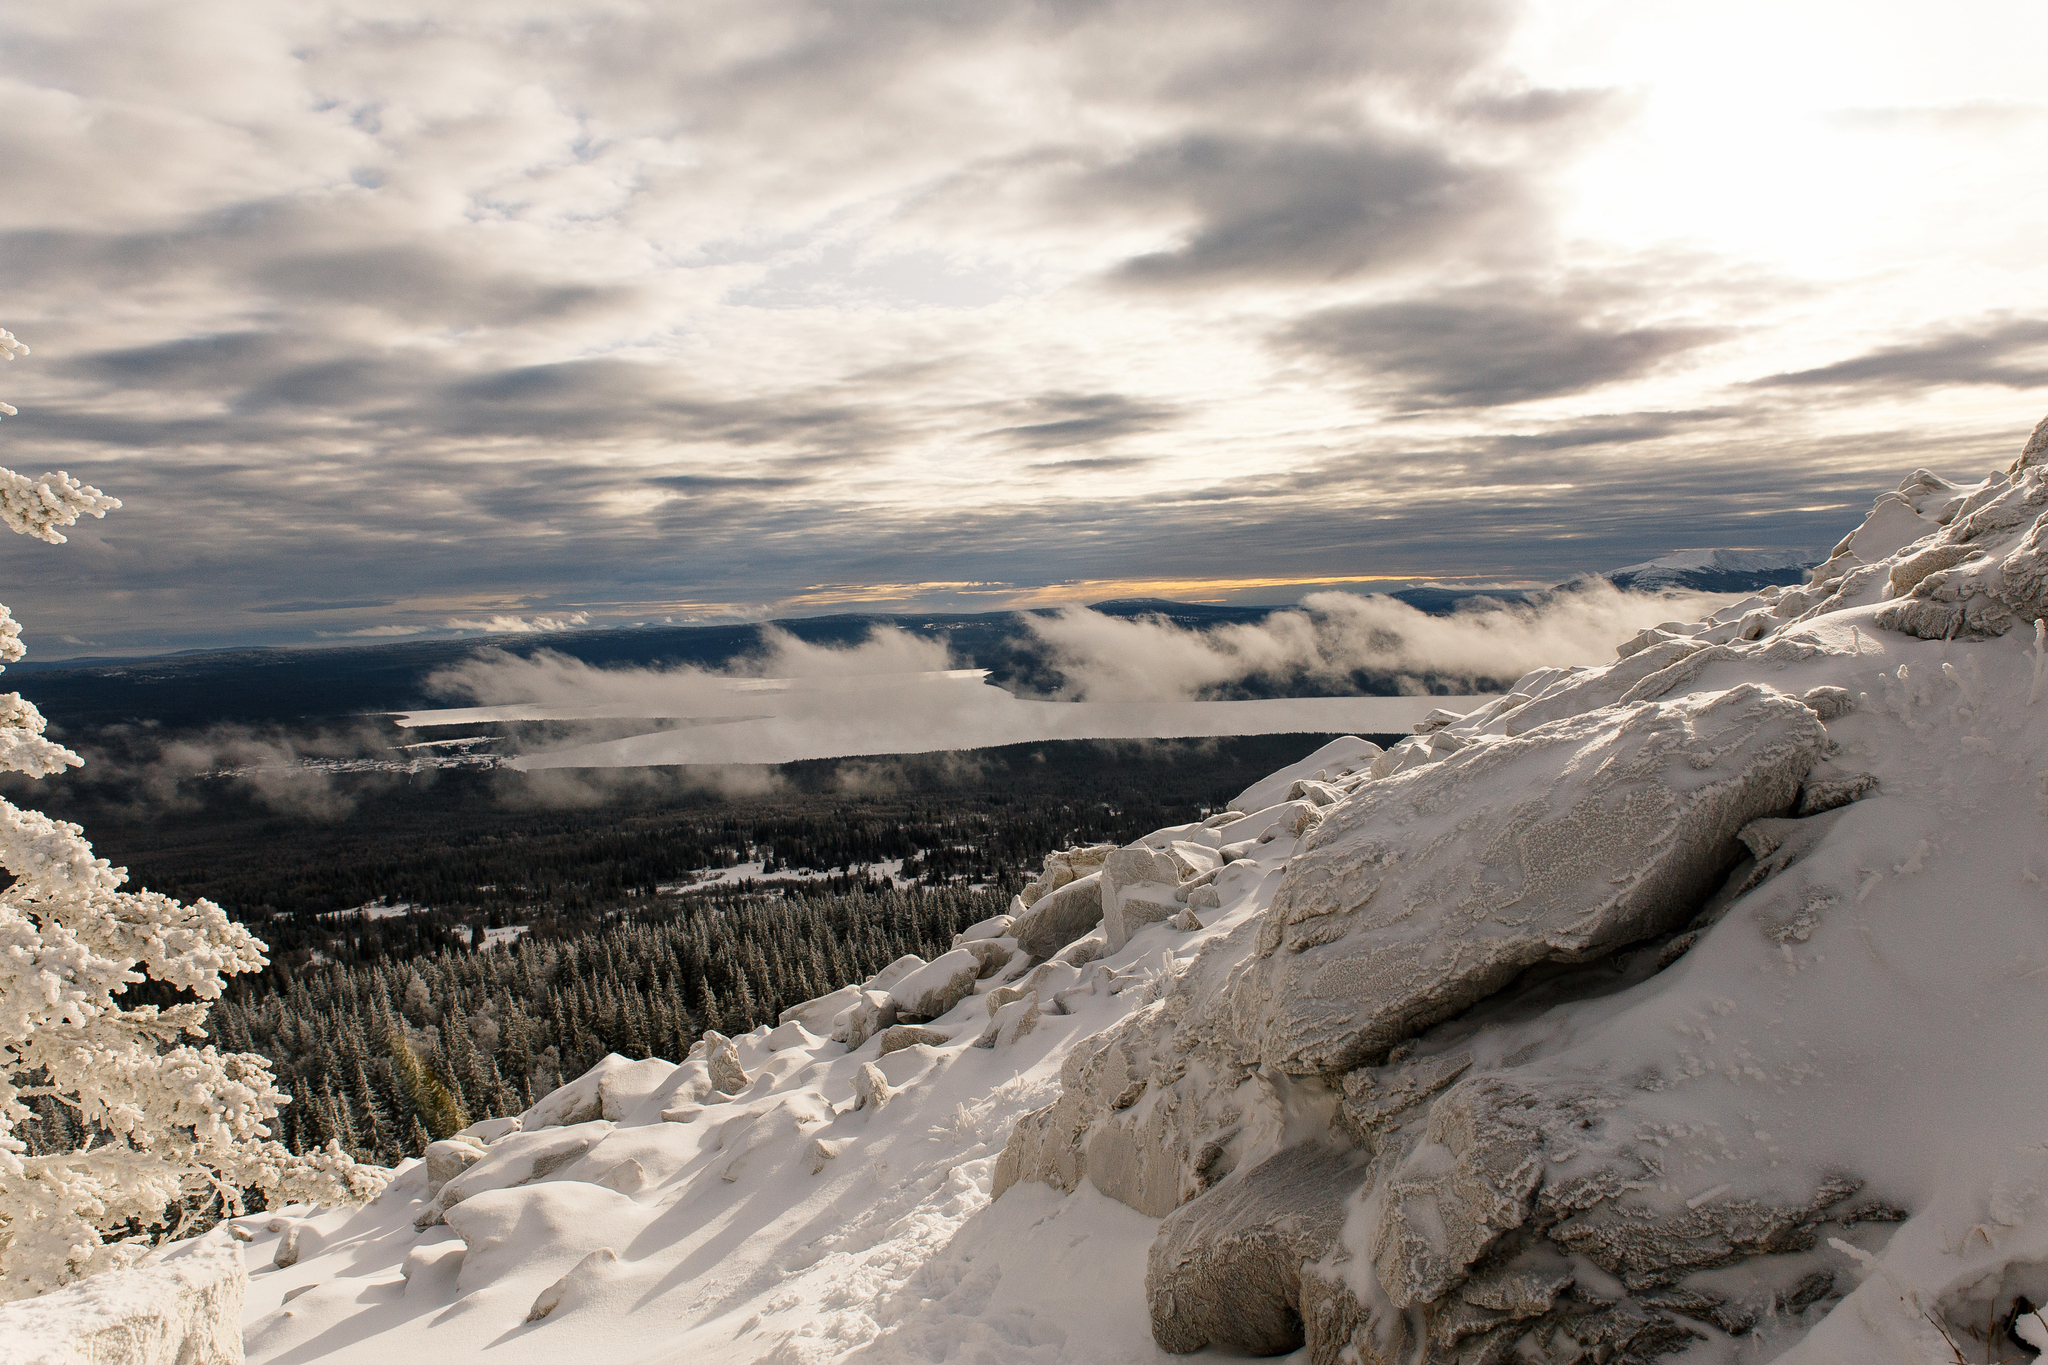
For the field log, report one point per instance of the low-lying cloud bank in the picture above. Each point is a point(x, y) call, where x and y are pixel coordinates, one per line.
point(1317, 667)
point(1333, 637)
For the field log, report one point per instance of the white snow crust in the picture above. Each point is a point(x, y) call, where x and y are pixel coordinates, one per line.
point(1857, 1005)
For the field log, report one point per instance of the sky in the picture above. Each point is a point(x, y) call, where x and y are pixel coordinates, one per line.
point(398, 320)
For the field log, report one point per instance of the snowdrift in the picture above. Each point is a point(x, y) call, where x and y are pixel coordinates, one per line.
point(1675, 1007)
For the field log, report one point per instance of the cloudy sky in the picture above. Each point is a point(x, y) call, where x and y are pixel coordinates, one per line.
point(404, 318)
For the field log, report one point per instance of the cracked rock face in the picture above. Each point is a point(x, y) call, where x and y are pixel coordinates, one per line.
point(1591, 833)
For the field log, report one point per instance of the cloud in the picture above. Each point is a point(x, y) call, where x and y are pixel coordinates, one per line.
point(500, 624)
point(2009, 352)
point(550, 679)
point(575, 310)
point(423, 285)
point(1488, 348)
point(1335, 636)
point(1303, 209)
point(1083, 419)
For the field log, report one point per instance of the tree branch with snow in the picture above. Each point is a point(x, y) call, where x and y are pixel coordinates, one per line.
point(163, 1117)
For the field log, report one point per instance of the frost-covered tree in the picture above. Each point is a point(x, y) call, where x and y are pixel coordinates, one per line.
point(158, 1119)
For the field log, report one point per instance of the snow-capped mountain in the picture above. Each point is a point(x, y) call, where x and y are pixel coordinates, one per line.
point(1679, 1006)
point(1716, 571)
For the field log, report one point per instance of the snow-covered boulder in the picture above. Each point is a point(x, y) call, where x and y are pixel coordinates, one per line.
point(516, 1159)
point(900, 1036)
point(449, 1158)
point(1059, 917)
point(612, 1089)
point(1761, 1116)
point(538, 1233)
point(722, 1061)
point(996, 926)
point(484, 1132)
point(184, 1308)
point(822, 1014)
point(1422, 894)
point(887, 978)
point(874, 1011)
point(937, 986)
point(1010, 1021)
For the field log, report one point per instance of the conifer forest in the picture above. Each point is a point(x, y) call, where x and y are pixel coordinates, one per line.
point(451, 949)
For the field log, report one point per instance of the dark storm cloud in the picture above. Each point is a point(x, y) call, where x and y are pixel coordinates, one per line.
point(299, 256)
point(1080, 419)
point(1299, 208)
point(423, 285)
point(1480, 350)
point(280, 387)
point(2007, 352)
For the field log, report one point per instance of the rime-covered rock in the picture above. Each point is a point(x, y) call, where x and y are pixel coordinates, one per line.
point(1346, 756)
point(1150, 1156)
point(1417, 897)
point(1138, 886)
point(1472, 1178)
point(1985, 569)
point(1590, 689)
point(183, 1309)
point(1243, 1266)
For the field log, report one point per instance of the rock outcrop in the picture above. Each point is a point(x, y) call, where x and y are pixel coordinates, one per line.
point(1421, 895)
point(1269, 1106)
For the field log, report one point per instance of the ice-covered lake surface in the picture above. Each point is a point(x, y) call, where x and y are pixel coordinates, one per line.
point(1779, 1106)
point(917, 713)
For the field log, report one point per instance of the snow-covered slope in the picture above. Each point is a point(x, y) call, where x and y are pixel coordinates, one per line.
point(1680, 1006)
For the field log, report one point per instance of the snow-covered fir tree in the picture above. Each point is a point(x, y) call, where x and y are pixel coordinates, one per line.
point(157, 1119)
